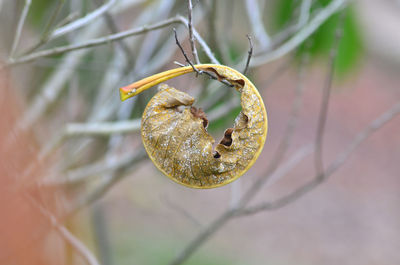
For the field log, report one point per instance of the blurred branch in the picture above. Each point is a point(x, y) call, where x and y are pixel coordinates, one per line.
point(77, 245)
point(241, 210)
point(20, 25)
point(319, 165)
point(114, 29)
point(81, 22)
point(284, 144)
point(106, 183)
point(304, 13)
point(94, 42)
point(48, 28)
point(101, 128)
point(333, 7)
point(257, 24)
point(191, 36)
point(335, 165)
point(182, 211)
point(79, 175)
point(111, 38)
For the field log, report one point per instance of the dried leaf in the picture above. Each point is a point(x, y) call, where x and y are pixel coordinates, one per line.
point(176, 139)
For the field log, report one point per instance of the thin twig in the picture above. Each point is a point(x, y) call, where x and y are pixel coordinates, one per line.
point(319, 165)
point(250, 53)
point(95, 42)
point(201, 41)
point(191, 36)
point(303, 34)
point(199, 72)
point(20, 25)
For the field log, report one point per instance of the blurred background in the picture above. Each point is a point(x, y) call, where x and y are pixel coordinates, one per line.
point(77, 187)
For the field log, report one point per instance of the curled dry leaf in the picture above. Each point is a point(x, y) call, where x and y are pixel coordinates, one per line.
point(175, 136)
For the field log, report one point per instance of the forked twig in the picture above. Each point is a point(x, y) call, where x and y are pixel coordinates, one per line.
point(250, 53)
point(197, 71)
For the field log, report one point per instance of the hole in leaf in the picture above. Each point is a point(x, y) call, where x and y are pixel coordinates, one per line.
point(227, 140)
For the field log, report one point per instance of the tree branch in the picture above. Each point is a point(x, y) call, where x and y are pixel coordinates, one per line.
point(94, 42)
point(333, 7)
point(20, 25)
point(76, 244)
point(81, 22)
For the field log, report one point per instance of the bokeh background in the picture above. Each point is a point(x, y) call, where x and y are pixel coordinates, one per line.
point(132, 214)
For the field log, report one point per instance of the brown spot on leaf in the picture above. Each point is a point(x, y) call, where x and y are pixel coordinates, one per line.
point(199, 113)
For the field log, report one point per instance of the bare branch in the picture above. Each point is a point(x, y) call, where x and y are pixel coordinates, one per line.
point(197, 71)
point(335, 165)
point(304, 13)
point(79, 175)
point(81, 22)
point(201, 41)
point(20, 25)
point(76, 244)
point(181, 210)
point(303, 34)
point(121, 43)
point(319, 165)
point(94, 42)
point(44, 38)
point(287, 136)
point(185, 55)
point(257, 25)
point(109, 181)
point(202, 237)
point(102, 128)
point(209, 230)
point(191, 36)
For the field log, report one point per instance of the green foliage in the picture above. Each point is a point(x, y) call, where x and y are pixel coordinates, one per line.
point(320, 43)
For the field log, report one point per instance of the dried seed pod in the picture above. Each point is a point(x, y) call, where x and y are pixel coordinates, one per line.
point(175, 136)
